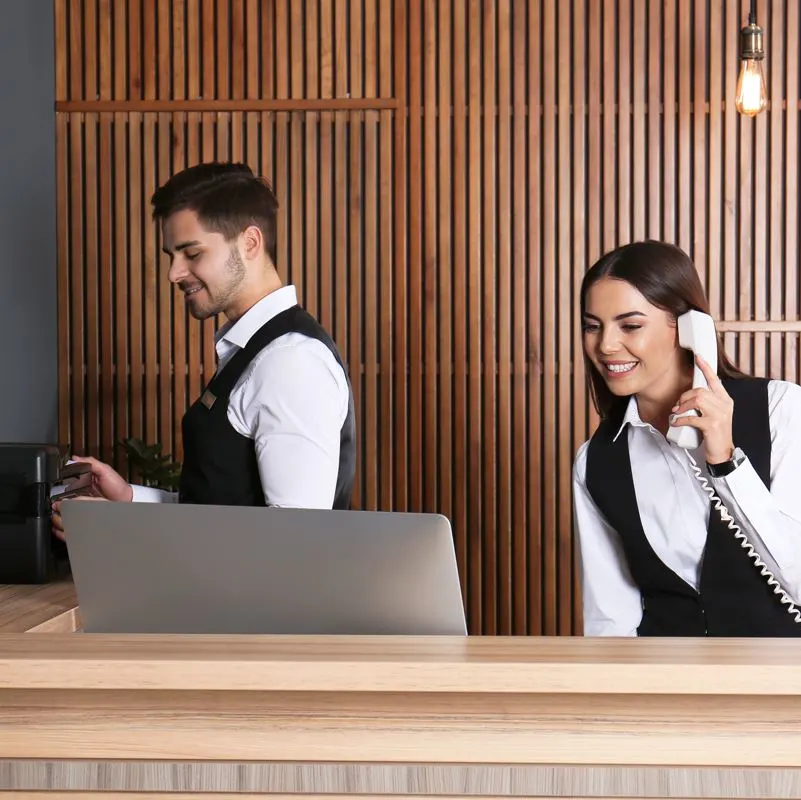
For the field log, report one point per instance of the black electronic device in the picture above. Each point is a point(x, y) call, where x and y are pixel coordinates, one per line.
point(29, 475)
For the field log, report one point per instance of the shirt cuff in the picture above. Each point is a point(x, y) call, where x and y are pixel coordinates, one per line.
point(753, 507)
point(150, 494)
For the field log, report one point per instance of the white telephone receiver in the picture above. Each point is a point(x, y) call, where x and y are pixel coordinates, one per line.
point(697, 333)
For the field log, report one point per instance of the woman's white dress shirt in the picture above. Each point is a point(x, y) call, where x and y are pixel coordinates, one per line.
point(674, 511)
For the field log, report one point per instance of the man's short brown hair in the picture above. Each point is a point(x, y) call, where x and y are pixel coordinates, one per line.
point(227, 198)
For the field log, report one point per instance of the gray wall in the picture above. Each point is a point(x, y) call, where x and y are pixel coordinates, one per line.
point(28, 338)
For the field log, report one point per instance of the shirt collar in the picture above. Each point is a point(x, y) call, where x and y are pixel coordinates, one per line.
point(240, 332)
point(631, 417)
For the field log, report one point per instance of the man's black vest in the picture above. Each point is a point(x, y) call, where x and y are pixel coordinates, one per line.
point(734, 599)
point(220, 465)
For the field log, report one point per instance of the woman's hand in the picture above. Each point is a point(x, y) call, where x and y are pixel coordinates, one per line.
point(716, 408)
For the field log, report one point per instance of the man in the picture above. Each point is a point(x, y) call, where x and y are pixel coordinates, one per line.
point(275, 425)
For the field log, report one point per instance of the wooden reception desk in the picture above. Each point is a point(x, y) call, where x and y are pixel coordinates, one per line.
point(85, 715)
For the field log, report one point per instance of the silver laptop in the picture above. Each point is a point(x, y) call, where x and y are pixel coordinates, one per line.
point(172, 568)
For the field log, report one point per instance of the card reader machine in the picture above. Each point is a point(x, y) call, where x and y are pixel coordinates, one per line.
point(29, 475)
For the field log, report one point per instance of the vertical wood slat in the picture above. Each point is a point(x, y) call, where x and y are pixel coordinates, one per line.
point(715, 209)
point(392, 165)
point(654, 120)
point(445, 122)
point(488, 329)
point(746, 185)
point(150, 317)
point(358, 215)
point(92, 412)
point(774, 213)
point(208, 86)
point(208, 149)
point(135, 285)
point(579, 235)
point(366, 338)
point(669, 126)
point(444, 244)
point(474, 574)
point(461, 449)
point(415, 267)
point(91, 62)
point(106, 292)
point(194, 332)
point(121, 266)
point(519, 437)
point(149, 49)
point(394, 342)
point(609, 99)
point(760, 290)
point(182, 353)
point(700, 218)
point(375, 179)
point(64, 266)
point(503, 324)
point(104, 36)
point(341, 189)
point(791, 253)
point(730, 205)
point(429, 274)
point(222, 37)
point(78, 437)
point(166, 343)
point(550, 303)
point(191, 67)
point(535, 362)
point(296, 182)
point(237, 44)
point(178, 44)
point(624, 119)
point(73, 13)
point(639, 118)
point(327, 237)
point(311, 292)
point(162, 302)
point(564, 333)
point(684, 195)
point(268, 28)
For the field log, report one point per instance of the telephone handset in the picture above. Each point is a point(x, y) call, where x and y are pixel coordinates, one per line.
point(697, 333)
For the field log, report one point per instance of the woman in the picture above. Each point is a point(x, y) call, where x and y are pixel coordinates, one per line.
point(655, 561)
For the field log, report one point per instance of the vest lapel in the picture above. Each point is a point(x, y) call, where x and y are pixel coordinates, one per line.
point(611, 485)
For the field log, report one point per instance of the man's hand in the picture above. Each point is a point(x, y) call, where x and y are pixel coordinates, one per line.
point(58, 523)
point(107, 484)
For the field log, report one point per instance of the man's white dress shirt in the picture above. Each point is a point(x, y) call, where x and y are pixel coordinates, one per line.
point(292, 401)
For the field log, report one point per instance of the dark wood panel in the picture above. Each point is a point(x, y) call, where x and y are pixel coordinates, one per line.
point(446, 174)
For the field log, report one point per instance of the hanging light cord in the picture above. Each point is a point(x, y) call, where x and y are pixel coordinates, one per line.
point(752, 13)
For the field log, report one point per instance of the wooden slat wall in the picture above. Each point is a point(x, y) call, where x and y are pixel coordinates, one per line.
point(447, 171)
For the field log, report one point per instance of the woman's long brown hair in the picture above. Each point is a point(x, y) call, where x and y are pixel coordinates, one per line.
point(666, 277)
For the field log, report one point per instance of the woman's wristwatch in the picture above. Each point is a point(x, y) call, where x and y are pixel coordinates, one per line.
point(726, 467)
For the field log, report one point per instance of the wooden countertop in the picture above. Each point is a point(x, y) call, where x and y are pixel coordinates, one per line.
point(372, 700)
point(537, 665)
point(626, 704)
point(556, 665)
point(483, 703)
point(46, 607)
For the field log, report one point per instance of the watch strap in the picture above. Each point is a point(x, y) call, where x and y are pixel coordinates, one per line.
point(726, 467)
